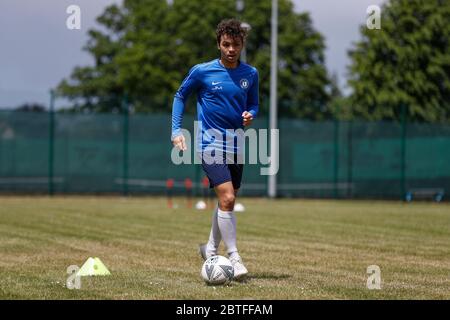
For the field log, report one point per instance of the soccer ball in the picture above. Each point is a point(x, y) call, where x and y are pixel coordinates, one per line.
point(239, 207)
point(217, 270)
point(201, 205)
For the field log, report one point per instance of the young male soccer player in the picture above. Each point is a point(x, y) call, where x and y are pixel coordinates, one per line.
point(227, 100)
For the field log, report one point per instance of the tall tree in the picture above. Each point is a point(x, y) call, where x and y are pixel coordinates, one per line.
point(146, 47)
point(405, 64)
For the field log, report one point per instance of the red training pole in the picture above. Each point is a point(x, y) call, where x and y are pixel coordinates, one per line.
point(205, 185)
point(169, 188)
point(188, 186)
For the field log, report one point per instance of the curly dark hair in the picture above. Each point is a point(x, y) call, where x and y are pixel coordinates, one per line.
point(231, 27)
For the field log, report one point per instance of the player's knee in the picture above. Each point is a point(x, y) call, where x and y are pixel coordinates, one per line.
point(227, 201)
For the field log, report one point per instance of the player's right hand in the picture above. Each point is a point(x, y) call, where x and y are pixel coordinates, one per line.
point(180, 142)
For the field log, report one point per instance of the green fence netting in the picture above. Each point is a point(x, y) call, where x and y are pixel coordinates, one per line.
point(65, 153)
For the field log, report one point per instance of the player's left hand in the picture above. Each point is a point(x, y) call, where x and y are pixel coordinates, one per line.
point(247, 118)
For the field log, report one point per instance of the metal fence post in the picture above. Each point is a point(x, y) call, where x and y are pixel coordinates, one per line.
point(273, 114)
point(51, 138)
point(125, 111)
point(336, 156)
point(403, 153)
point(350, 159)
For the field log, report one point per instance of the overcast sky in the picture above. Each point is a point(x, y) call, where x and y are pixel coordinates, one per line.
point(37, 50)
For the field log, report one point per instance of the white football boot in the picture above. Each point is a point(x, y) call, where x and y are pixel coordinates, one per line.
point(202, 251)
point(240, 271)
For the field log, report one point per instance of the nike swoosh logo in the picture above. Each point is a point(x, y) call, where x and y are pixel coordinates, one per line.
point(215, 83)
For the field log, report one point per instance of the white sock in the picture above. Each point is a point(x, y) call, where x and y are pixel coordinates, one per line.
point(214, 235)
point(227, 226)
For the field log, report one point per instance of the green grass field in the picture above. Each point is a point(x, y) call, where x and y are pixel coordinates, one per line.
point(294, 249)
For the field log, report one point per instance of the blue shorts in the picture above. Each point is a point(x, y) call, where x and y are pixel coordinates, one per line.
point(219, 173)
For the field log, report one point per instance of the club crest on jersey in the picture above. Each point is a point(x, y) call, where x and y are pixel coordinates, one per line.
point(244, 83)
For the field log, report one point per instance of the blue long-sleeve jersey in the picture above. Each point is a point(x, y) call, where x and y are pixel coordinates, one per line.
point(223, 94)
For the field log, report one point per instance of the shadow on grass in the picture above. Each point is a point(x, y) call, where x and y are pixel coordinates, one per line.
point(264, 276)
